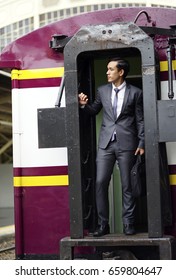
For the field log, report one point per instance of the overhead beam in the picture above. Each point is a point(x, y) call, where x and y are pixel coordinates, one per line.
point(5, 109)
point(6, 99)
point(5, 89)
point(5, 123)
point(6, 146)
point(4, 137)
point(4, 73)
point(5, 117)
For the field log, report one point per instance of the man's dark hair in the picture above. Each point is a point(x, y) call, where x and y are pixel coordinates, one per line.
point(121, 64)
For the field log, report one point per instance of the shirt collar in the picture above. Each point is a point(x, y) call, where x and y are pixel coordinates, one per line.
point(119, 87)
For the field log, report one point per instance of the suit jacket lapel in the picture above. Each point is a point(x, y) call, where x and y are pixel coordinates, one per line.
point(109, 99)
point(127, 92)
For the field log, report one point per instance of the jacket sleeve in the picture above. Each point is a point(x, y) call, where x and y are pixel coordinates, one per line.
point(95, 107)
point(140, 119)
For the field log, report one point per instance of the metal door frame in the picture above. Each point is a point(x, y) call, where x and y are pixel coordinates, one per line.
point(112, 37)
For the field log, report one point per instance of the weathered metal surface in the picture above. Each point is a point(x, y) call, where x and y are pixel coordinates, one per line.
point(165, 244)
point(51, 128)
point(167, 120)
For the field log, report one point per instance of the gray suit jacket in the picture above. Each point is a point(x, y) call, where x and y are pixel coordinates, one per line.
point(129, 125)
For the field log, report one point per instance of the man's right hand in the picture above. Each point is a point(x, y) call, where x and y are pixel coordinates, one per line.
point(83, 99)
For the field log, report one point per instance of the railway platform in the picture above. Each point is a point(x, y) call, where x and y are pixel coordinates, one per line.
point(7, 233)
point(6, 221)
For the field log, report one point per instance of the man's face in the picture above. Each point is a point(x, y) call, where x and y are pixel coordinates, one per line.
point(114, 75)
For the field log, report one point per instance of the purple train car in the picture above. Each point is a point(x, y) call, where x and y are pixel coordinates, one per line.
point(40, 154)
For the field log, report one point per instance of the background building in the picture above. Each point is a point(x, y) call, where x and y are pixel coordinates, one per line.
point(18, 17)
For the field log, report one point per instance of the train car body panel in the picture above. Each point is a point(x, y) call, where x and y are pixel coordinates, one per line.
point(40, 175)
point(41, 180)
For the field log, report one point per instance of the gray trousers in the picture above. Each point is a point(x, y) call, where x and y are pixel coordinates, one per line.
point(106, 159)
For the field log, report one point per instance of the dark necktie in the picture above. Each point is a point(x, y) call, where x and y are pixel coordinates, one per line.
point(115, 102)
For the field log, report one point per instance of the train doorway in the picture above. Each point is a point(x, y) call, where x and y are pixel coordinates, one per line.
point(89, 48)
point(92, 67)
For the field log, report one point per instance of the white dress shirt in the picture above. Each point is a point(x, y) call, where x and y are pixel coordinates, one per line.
point(121, 95)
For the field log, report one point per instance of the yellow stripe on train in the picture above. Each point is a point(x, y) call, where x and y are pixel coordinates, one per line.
point(164, 65)
point(59, 72)
point(37, 73)
point(30, 181)
point(172, 179)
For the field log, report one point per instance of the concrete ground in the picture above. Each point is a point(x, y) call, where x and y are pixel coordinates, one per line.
point(7, 232)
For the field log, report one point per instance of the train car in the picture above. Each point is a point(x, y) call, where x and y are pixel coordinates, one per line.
point(47, 160)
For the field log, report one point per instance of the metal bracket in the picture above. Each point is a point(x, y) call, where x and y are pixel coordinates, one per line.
point(58, 42)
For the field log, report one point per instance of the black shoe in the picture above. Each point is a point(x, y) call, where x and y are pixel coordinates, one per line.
point(102, 230)
point(128, 229)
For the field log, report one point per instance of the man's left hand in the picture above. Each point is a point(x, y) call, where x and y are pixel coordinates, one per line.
point(139, 151)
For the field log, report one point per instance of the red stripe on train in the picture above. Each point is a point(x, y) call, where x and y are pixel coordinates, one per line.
point(33, 83)
point(40, 171)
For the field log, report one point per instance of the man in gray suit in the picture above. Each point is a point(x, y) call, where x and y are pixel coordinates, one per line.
point(121, 139)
